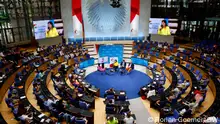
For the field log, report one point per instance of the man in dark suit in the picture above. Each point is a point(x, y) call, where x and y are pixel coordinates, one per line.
point(123, 66)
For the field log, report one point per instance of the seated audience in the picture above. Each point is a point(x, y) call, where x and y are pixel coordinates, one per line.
point(40, 74)
point(63, 69)
point(111, 91)
point(193, 106)
point(2, 78)
point(78, 71)
point(151, 92)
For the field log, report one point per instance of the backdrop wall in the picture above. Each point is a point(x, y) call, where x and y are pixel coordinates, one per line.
point(102, 20)
point(98, 21)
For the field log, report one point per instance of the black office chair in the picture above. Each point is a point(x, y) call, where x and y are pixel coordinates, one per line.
point(110, 110)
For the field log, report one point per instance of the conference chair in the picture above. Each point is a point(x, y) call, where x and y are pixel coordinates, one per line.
point(80, 120)
point(60, 117)
point(84, 105)
point(110, 110)
point(157, 54)
point(199, 77)
point(8, 102)
point(121, 98)
point(88, 56)
point(80, 90)
point(173, 119)
point(135, 55)
point(54, 113)
point(109, 97)
point(76, 60)
point(192, 69)
point(7, 70)
point(187, 65)
point(72, 119)
point(154, 67)
point(197, 72)
point(82, 59)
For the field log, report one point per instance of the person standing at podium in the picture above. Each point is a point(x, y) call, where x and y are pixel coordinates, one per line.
point(52, 31)
point(164, 29)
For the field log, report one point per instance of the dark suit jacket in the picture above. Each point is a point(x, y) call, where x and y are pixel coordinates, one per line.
point(123, 64)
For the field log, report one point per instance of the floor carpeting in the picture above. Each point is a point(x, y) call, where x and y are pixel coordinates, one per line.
point(131, 83)
point(141, 113)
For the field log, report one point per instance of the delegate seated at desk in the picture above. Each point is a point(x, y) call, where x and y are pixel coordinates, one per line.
point(112, 120)
point(78, 71)
point(111, 91)
point(129, 119)
point(63, 69)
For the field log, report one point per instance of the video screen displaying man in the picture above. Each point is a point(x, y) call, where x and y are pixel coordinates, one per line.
point(52, 31)
point(164, 29)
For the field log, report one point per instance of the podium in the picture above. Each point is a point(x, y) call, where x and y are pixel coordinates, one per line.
point(50, 41)
point(162, 38)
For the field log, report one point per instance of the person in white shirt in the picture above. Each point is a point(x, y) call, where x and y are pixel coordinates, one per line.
point(193, 106)
point(2, 77)
point(151, 92)
point(49, 103)
point(177, 91)
point(129, 119)
point(26, 118)
point(53, 62)
point(2, 54)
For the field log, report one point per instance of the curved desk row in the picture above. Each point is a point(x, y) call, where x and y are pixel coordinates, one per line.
point(10, 80)
point(38, 116)
point(211, 84)
point(71, 110)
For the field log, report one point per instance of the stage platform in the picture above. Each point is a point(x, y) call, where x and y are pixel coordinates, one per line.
point(109, 42)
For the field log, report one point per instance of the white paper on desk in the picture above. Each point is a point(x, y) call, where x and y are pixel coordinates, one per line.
point(144, 88)
point(122, 93)
point(42, 120)
point(92, 90)
point(80, 95)
point(22, 97)
point(41, 115)
point(48, 120)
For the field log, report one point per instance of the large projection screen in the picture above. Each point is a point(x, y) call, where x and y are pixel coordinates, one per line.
point(102, 20)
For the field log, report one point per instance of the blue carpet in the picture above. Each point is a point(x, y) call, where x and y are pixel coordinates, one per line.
point(131, 83)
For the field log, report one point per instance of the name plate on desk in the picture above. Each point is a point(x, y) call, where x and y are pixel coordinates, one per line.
point(162, 38)
point(22, 97)
point(41, 115)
